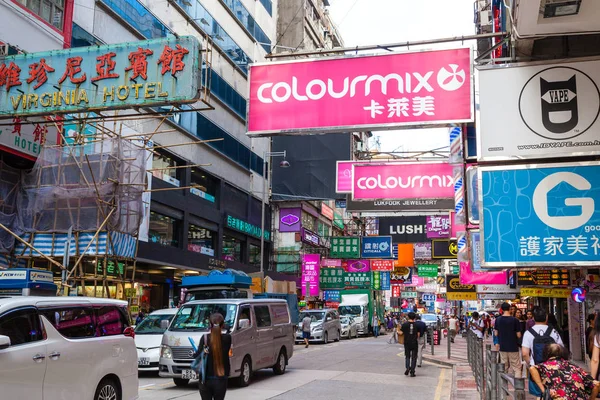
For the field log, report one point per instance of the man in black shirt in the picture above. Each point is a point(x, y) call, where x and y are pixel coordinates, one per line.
point(508, 330)
point(411, 343)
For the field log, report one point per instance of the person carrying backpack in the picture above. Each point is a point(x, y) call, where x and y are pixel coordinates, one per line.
point(535, 340)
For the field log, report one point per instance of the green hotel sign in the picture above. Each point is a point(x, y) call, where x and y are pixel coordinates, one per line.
point(245, 227)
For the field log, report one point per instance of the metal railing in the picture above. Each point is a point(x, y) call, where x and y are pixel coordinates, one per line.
point(491, 373)
point(475, 357)
point(509, 386)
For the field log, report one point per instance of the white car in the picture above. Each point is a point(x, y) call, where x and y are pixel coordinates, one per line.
point(349, 327)
point(148, 337)
point(64, 348)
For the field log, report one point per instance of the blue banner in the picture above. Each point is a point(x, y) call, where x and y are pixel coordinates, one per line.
point(546, 215)
point(385, 281)
point(376, 247)
point(332, 295)
point(472, 195)
point(475, 250)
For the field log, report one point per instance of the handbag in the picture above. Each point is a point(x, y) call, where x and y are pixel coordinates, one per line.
point(199, 363)
point(400, 336)
point(546, 395)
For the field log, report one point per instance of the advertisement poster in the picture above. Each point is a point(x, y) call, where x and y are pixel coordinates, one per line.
point(401, 275)
point(422, 251)
point(290, 219)
point(404, 229)
point(438, 226)
point(376, 247)
point(382, 265)
point(311, 264)
point(456, 291)
point(357, 265)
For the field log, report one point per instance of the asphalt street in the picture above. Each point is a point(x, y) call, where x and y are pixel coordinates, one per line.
point(358, 368)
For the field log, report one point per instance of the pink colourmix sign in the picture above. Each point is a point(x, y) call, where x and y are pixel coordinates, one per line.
point(402, 181)
point(367, 92)
point(311, 266)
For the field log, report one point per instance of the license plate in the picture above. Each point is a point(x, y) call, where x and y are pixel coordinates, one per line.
point(143, 361)
point(189, 374)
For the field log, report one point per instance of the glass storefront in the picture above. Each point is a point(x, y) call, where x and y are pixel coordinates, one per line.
point(201, 240)
point(163, 230)
point(205, 185)
point(254, 253)
point(162, 166)
point(232, 248)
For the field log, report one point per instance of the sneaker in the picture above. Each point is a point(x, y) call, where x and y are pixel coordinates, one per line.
point(406, 372)
point(307, 346)
point(412, 375)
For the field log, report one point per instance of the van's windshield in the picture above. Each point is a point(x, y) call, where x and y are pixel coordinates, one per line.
point(350, 310)
point(315, 316)
point(215, 294)
point(195, 317)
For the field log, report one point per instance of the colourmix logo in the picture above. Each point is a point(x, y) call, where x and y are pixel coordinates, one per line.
point(412, 182)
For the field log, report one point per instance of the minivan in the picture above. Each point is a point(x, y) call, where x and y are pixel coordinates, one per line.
point(325, 325)
point(63, 348)
point(261, 331)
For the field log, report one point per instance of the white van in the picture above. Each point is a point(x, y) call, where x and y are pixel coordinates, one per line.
point(261, 330)
point(63, 348)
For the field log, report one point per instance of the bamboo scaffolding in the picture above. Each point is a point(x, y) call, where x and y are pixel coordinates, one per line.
point(31, 247)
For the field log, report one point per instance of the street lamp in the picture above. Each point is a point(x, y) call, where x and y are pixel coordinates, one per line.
point(283, 164)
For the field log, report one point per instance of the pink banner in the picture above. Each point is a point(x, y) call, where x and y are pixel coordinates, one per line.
point(402, 181)
point(343, 173)
point(354, 93)
point(454, 227)
point(311, 264)
point(468, 277)
point(331, 262)
point(357, 265)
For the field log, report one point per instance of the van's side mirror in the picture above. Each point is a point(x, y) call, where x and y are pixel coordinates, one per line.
point(243, 324)
point(329, 318)
point(164, 324)
point(4, 342)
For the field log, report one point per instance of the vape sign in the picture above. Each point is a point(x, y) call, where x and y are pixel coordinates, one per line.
point(366, 92)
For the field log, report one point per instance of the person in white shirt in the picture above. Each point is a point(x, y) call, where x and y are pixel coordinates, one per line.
point(452, 327)
point(476, 325)
point(541, 318)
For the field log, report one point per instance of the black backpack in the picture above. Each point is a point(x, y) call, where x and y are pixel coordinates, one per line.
point(410, 337)
point(540, 342)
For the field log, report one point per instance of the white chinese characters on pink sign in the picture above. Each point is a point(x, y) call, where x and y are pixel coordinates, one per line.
point(311, 264)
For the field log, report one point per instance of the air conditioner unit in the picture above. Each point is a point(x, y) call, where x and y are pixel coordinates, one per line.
point(486, 18)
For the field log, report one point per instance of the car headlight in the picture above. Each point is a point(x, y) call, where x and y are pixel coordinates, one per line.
point(165, 352)
point(318, 328)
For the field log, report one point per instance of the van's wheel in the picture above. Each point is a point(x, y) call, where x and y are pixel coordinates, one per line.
point(181, 382)
point(281, 364)
point(339, 336)
point(246, 375)
point(325, 338)
point(107, 390)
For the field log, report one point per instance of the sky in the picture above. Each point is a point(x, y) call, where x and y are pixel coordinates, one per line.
point(368, 22)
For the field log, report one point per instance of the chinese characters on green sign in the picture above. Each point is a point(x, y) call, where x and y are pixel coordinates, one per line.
point(332, 278)
point(427, 270)
point(245, 227)
point(376, 279)
point(345, 247)
point(357, 279)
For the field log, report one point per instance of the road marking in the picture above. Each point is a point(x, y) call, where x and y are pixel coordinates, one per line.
point(438, 390)
point(145, 386)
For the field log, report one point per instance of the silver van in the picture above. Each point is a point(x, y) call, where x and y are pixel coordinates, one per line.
point(325, 325)
point(261, 331)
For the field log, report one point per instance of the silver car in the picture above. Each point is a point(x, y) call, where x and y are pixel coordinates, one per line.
point(324, 326)
point(349, 327)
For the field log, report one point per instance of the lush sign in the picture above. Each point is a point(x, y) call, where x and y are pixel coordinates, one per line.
point(146, 73)
point(245, 227)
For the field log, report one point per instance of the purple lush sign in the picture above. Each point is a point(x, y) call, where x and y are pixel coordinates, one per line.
point(311, 266)
point(331, 262)
point(290, 219)
point(438, 226)
point(358, 266)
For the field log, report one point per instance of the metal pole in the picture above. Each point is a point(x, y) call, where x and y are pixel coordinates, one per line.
point(432, 344)
point(449, 340)
point(262, 218)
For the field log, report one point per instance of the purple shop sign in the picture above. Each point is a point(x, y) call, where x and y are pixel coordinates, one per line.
point(310, 237)
point(331, 262)
point(422, 251)
point(310, 274)
point(358, 266)
point(290, 219)
point(438, 226)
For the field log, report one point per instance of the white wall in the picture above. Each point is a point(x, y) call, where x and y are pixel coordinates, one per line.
point(19, 28)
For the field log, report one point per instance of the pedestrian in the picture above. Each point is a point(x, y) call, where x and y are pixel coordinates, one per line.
point(530, 322)
point(508, 331)
point(390, 324)
point(562, 379)
point(140, 318)
point(590, 333)
point(534, 341)
point(217, 345)
point(452, 324)
point(421, 328)
point(513, 309)
point(411, 343)
point(306, 329)
point(375, 324)
point(488, 326)
point(596, 349)
point(395, 326)
point(461, 322)
point(476, 325)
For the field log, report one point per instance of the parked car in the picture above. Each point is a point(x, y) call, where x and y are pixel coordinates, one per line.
point(349, 327)
point(262, 336)
point(57, 348)
point(431, 320)
point(325, 325)
point(148, 338)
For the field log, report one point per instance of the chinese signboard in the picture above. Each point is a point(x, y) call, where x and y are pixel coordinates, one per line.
point(382, 265)
point(438, 226)
point(332, 278)
point(28, 137)
point(338, 220)
point(422, 251)
point(443, 248)
point(408, 295)
point(406, 229)
point(310, 274)
point(562, 221)
point(385, 280)
point(357, 265)
point(331, 262)
point(366, 92)
point(401, 275)
point(290, 219)
point(402, 181)
point(245, 227)
point(326, 211)
point(376, 280)
point(549, 277)
point(147, 73)
point(456, 291)
point(332, 295)
point(310, 237)
point(345, 247)
point(376, 247)
point(427, 270)
point(357, 279)
point(546, 292)
point(475, 246)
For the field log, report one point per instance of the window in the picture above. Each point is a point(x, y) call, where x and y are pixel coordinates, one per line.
point(51, 11)
point(21, 326)
point(263, 318)
point(206, 185)
point(201, 240)
point(248, 21)
point(254, 253)
point(324, 230)
point(308, 221)
point(280, 314)
point(226, 93)
point(138, 16)
point(163, 168)
point(163, 230)
point(232, 248)
point(72, 322)
point(111, 321)
point(82, 38)
point(197, 317)
point(268, 5)
point(245, 313)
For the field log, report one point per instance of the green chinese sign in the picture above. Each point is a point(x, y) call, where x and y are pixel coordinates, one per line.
point(245, 227)
point(427, 270)
point(376, 279)
point(357, 279)
point(338, 220)
point(345, 247)
point(111, 268)
point(331, 278)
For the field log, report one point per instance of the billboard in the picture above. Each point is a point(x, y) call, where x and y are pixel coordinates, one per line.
point(406, 229)
point(402, 181)
point(146, 73)
point(311, 265)
point(456, 291)
point(361, 92)
point(343, 176)
point(376, 247)
point(377, 206)
point(548, 111)
point(290, 219)
point(422, 251)
point(540, 215)
point(438, 226)
point(28, 137)
point(444, 248)
point(472, 194)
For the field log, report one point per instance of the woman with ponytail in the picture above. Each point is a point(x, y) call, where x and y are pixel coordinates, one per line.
point(217, 345)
